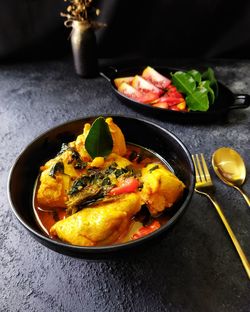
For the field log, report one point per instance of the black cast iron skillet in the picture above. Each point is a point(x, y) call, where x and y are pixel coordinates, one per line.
point(225, 102)
point(25, 170)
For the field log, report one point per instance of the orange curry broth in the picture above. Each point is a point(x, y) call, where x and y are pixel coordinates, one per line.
point(46, 217)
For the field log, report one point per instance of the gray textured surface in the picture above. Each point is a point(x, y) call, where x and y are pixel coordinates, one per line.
point(195, 268)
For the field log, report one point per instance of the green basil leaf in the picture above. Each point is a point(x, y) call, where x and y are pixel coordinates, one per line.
point(195, 74)
point(99, 141)
point(184, 82)
point(198, 100)
point(209, 75)
point(206, 84)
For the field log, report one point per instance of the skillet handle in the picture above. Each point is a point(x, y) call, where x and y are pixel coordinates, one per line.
point(108, 73)
point(240, 101)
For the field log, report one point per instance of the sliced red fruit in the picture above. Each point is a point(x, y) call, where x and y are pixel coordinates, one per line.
point(119, 81)
point(172, 88)
point(182, 105)
point(174, 108)
point(136, 95)
point(173, 100)
point(179, 107)
point(156, 78)
point(175, 94)
point(144, 86)
point(170, 100)
point(161, 105)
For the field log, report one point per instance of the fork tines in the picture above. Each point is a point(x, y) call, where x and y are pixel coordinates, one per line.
point(201, 169)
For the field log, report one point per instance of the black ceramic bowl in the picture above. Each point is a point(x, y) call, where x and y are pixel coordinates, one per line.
point(137, 131)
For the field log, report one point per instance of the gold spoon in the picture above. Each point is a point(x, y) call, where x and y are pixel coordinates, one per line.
point(230, 168)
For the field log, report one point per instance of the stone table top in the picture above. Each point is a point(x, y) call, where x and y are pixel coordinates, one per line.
point(194, 268)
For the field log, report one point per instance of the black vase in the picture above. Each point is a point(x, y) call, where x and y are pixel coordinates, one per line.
point(84, 48)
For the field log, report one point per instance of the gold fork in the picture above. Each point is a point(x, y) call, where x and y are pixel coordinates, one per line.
point(204, 186)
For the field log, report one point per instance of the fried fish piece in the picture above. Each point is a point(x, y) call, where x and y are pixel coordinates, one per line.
point(161, 188)
point(55, 180)
point(119, 144)
point(101, 224)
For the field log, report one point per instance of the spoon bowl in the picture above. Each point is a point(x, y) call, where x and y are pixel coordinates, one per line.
point(230, 168)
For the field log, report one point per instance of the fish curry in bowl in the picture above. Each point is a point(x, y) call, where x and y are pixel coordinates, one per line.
point(100, 190)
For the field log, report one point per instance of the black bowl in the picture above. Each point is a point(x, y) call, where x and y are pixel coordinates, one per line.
point(137, 131)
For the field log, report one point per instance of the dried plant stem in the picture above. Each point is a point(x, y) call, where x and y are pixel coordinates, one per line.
point(81, 10)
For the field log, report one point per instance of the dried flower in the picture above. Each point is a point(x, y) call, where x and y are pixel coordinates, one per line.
point(81, 10)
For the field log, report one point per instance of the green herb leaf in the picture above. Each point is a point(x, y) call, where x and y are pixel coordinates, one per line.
point(184, 82)
point(195, 74)
point(206, 84)
point(209, 75)
point(99, 140)
point(200, 89)
point(198, 100)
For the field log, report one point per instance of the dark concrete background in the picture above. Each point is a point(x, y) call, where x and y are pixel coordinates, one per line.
point(194, 268)
point(33, 29)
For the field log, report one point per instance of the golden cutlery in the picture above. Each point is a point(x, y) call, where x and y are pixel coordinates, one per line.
point(204, 186)
point(230, 168)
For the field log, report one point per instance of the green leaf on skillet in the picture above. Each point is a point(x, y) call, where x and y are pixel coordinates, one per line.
point(209, 75)
point(198, 100)
point(195, 74)
point(206, 84)
point(99, 140)
point(184, 82)
point(200, 89)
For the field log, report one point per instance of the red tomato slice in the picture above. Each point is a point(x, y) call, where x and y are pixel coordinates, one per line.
point(182, 105)
point(170, 100)
point(161, 105)
point(128, 185)
point(172, 88)
point(173, 100)
point(175, 94)
point(145, 230)
point(174, 108)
